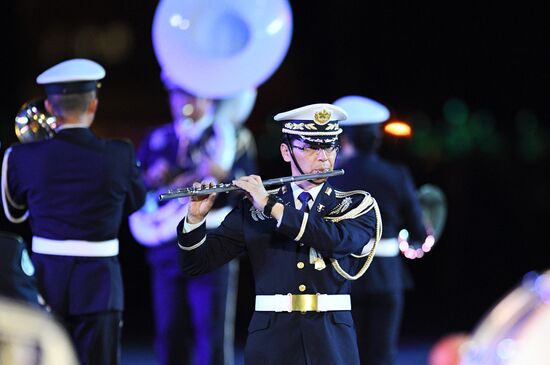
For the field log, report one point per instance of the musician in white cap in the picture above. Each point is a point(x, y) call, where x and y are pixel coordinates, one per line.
point(378, 297)
point(199, 142)
point(304, 241)
point(76, 188)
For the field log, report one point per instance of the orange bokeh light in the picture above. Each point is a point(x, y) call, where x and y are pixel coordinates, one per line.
point(398, 129)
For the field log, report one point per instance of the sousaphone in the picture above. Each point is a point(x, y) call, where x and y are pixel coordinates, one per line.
point(217, 49)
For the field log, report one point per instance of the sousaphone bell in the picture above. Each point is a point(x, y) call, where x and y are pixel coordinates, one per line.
point(218, 48)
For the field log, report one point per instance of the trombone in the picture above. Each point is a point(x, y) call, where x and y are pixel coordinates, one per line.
point(227, 187)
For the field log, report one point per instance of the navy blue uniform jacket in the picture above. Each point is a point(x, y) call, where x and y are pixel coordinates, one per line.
point(393, 187)
point(291, 338)
point(77, 187)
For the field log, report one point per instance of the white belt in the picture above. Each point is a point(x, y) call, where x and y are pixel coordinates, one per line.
point(303, 303)
point(386, 247)
point(75, 247)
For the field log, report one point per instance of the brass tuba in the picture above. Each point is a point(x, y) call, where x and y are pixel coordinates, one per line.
point(33, 122)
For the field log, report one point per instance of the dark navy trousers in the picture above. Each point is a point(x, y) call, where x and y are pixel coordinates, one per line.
point(190, 313)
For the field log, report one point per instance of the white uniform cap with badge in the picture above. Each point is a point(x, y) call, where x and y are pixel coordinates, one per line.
point(72, 76)
point(315, 123)
point(362, 110)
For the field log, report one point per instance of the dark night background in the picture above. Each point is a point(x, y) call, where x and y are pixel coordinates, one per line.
point(471, 77)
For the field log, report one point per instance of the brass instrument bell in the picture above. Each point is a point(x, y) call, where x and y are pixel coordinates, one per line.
point(33, 122)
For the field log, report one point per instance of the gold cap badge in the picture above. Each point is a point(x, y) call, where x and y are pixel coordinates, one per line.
point(322, 117)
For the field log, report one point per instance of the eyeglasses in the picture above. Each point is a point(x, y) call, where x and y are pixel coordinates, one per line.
point(313, 150)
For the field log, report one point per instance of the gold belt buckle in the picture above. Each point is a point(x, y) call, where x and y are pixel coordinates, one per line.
point(304, 302)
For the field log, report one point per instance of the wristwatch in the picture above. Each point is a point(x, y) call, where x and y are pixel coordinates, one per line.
point(271, 200)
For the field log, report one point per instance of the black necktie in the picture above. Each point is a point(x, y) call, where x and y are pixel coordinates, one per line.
point(304, 198)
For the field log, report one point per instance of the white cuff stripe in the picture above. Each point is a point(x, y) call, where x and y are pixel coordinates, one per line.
point(190, 248)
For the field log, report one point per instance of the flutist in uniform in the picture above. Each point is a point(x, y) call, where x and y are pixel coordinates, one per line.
point(305, 242)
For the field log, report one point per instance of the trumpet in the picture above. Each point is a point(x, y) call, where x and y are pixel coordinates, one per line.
point(227, 187)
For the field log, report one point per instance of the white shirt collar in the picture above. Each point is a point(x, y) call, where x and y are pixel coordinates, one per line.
point(70, 126)
point(296, 190)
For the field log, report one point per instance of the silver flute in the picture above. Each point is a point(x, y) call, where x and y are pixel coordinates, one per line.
point(227, 187)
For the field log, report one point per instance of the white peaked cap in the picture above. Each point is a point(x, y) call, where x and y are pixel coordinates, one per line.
point(308, 113)
point(362, 110)
point(74, 70)
point(316, 122)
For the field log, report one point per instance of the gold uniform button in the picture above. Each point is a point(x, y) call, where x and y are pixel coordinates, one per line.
point(302, 288)
point(300, 265)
